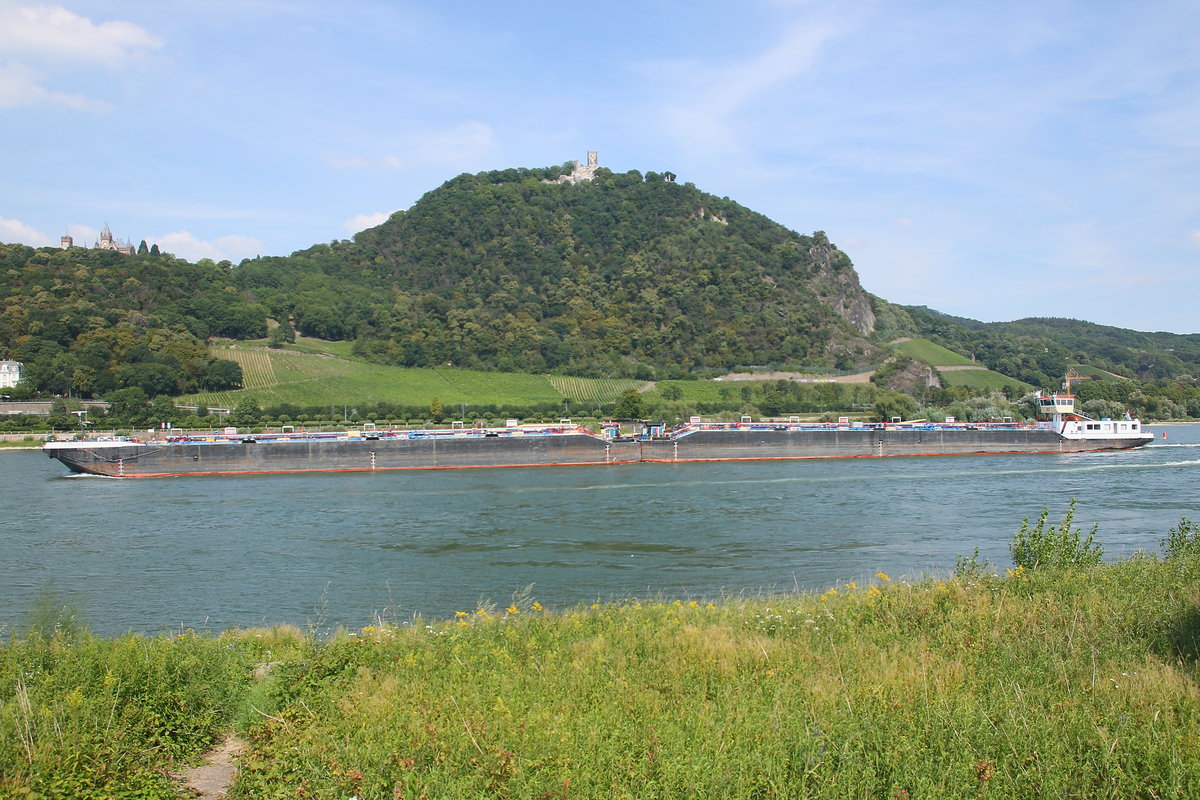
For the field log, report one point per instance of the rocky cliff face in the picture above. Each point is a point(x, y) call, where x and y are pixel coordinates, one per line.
point(839, 284)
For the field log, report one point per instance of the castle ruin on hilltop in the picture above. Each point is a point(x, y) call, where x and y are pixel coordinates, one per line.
point(107, 242)
point(580, 173)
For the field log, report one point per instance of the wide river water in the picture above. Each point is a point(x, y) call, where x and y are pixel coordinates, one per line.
point(327, 549)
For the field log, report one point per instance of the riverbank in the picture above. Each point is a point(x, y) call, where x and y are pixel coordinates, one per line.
point(1069, 682)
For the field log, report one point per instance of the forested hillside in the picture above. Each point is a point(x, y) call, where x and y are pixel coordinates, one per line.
point(624, 275)
point(1040, 350)
point(621, 276)
point(88, 322)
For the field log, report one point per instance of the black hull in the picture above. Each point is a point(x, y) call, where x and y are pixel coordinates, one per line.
point(161, 459)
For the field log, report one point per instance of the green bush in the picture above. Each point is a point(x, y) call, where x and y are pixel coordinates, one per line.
point(1182, 541)
point(1055, 546)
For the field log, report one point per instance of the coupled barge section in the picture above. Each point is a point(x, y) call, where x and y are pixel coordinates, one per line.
point(230, 452)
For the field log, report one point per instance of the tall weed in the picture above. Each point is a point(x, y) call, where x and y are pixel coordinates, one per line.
point(1059, 545)
point(1183, 541)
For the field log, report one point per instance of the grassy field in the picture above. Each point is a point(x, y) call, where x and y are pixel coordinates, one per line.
point(314, 372)
point(1095, 373)
point(1065, 681)
point(983, 379)
point(932, 354)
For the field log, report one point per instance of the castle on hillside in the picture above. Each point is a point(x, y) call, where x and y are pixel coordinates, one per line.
point(107, 242)
point(581, 172)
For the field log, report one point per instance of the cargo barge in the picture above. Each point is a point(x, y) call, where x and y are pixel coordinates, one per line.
point(369, 450)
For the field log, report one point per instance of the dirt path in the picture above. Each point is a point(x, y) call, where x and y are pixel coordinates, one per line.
point(213, 778)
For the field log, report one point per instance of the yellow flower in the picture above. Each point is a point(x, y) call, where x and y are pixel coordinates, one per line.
point(369, 629)
point(883, 576)
point(709, 606)
point(460, 614)
point(513, 609)
point(693, 604)
point(851, 585)
point(832, 591)
point(874, 591)
point(595, 606)
point(536, 606)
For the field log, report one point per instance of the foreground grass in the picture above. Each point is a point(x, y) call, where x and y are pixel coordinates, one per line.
point(1056, 683)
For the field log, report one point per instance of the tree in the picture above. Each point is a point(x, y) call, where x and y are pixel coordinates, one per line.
point(630, 405)
point(129, 405)
point(772, 402)
point(893, 404)
point(222, 374)
point(142, 248)
point(154, 251)
point(671, 392)
point(436, 412)
point(163, 409)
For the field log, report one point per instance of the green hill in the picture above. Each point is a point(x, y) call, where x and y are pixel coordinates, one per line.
point(930, 353)
point(623, 275)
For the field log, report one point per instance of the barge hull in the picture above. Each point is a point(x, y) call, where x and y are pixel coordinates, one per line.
point(751, 445)
point(252, 456)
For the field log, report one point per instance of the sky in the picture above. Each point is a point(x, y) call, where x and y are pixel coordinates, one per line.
point(988, 160)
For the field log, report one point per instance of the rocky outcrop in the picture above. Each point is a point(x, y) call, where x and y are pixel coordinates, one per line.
point(838, 284)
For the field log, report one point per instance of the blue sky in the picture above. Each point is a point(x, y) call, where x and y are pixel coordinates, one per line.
point(989, 160)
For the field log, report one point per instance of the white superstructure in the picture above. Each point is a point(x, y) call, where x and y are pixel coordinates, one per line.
point(11, 373)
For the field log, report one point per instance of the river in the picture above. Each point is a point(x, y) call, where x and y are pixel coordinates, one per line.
point(342, 549)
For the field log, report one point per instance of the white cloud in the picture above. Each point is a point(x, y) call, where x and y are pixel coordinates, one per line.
point(184, 244)
point(1194, 238)
point(20, 87)
point(54, 39)
point(459, 145)
point(54, 34)
point(360, 222)
point(712, 96)
point(16, 232)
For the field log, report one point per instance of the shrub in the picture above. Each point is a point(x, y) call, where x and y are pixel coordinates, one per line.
point(1055, 546)
point(1182, 541)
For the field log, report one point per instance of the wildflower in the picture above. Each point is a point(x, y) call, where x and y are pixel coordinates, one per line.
point(460, 614)
point(709, 606)
point(693, 604)
point(874, 591)
point(832, 591)
point(883, 577)
point(851, 585)
point(369, 629)
point(595, 606)
point(536, 606)
point(513, 609)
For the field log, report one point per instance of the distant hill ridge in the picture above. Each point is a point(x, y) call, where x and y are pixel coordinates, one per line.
point(572, 270)
point(622, 273)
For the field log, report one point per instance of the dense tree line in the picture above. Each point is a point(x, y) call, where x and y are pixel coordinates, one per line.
point(1040, 350)
point(88, 322)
